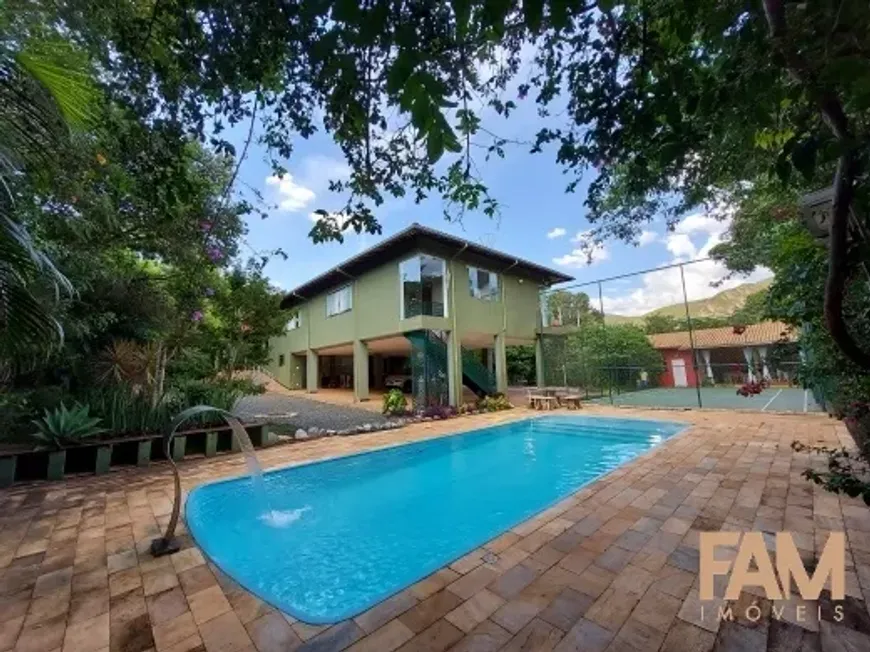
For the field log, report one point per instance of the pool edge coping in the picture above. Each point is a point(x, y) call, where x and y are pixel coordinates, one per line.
point(686, 427)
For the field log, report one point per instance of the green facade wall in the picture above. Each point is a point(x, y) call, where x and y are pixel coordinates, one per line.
point(376, 314)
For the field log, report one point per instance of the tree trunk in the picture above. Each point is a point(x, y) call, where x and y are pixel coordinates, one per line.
point(159, 375)
point(832, 111)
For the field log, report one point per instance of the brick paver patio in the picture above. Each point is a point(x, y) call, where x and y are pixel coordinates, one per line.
point(614, 567)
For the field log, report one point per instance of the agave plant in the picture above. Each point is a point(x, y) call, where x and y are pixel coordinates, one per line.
point(63, 426)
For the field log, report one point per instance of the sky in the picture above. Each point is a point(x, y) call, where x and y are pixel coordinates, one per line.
point(538, 222)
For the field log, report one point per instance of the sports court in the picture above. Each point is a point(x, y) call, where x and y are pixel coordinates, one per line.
point(772, 399)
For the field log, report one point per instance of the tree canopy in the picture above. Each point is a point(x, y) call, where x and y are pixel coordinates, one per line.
point(667, 105)
point(670, 105)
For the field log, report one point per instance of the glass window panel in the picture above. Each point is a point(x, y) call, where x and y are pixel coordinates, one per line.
point(409, 273)
point(423, 286)
point(339, 301)
point(483, 284)
point(432, 282)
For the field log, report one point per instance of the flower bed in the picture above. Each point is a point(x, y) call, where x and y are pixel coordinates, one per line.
point(404, 418)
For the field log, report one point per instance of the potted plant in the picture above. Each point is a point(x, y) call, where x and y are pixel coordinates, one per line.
point(68, 427)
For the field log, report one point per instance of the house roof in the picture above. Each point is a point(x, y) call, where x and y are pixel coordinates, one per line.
point(421, 238)
point(768, 332)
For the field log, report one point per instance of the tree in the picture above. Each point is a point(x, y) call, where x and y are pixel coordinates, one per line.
point(658, 323)
point(673, 105)
point(44, 89)
point(677, 105)
point(765, 232)
point(566, 308)
point(521, 364)
point(246, 314)
point(753, 310)
point(600, 356)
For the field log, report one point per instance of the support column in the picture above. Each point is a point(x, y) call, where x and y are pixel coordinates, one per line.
point(747, 355)
point(762, 353)
point(360, 370)
point(378, 370)
point(454, 369)
point(707, 366)
point(539, 362)
point(499, 352)
point(312, 370)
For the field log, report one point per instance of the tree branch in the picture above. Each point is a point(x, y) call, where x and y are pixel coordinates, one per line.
point(831, 108)
point(232, 180)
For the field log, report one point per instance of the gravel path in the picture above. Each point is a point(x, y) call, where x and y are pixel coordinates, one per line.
point(304, 413)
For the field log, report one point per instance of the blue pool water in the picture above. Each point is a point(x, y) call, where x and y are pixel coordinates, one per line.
point(348, 532)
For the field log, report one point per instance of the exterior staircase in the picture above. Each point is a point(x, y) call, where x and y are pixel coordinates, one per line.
point(429, 364)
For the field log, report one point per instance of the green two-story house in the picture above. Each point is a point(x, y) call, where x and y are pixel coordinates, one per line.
point(422, 310)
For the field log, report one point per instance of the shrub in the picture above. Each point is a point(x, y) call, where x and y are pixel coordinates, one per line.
point(466, 408)
point(125, 410)
point(494, 403)
point(67, 427)
point(222, 394)
point(15, 410)
point(394, 403)
point(847, 471)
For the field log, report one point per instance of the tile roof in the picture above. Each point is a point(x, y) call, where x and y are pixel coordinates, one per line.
point(767, 332)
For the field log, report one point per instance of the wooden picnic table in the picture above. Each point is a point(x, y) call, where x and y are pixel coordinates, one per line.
point(543, 402)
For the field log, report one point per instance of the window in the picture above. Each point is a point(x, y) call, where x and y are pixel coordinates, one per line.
point(281, 360)
point(339, 301)
point(293, 322)
point(483, 284)
point(423, 281)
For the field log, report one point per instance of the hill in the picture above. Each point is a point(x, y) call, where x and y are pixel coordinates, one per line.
point(721, 304)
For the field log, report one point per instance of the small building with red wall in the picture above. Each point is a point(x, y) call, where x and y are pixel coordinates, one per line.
point(730, 355)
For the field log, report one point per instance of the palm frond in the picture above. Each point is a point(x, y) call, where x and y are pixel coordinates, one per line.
point(64, 73)
point(45, 88)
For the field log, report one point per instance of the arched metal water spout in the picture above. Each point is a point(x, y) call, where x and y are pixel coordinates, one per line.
point(168, 544)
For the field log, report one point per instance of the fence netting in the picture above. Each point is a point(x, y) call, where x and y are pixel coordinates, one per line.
point(672, 337)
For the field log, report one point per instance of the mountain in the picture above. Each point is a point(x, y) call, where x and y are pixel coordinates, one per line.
point(721, 304)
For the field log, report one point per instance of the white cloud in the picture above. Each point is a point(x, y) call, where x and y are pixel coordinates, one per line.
point(680, 245)
point(296, 192)
point(699, 223)
point(587, 254)
point(647, 237)
point(292, 196)
point(664, 288)
point(558, 232)
point(693, 237)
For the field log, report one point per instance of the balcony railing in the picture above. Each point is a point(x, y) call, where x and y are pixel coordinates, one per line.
point(415, 308)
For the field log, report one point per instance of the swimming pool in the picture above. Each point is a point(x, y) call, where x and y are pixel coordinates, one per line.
point(348, 532)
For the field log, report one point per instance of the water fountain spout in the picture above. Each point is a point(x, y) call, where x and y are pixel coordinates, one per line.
point(168, 544)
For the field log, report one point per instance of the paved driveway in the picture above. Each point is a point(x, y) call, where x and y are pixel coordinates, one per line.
point(305, 413)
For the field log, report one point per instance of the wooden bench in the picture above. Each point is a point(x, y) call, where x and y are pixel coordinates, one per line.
point(571, 401)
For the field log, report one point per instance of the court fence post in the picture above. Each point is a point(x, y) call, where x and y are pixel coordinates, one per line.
point(607, 360)
point(691, 336)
